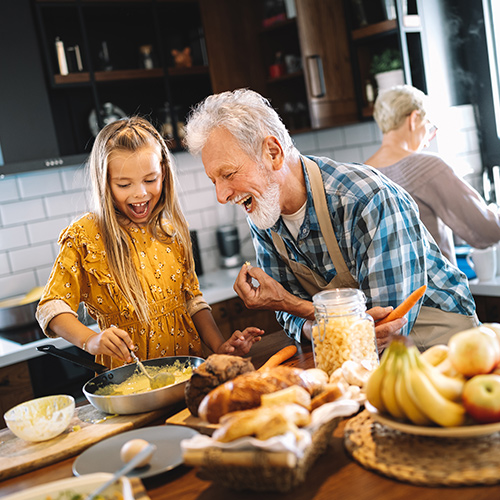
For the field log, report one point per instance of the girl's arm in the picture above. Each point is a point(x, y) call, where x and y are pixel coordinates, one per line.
point(111, 342)
point(238, 344)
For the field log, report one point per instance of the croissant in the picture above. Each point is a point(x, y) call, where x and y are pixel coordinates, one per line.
point(244, 392)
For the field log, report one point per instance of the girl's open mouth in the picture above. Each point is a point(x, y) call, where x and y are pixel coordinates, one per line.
point(140, 209)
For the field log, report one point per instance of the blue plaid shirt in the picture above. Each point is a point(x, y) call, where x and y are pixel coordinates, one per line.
point(386, 247)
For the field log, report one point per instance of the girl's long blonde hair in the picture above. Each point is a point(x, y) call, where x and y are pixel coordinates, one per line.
point(132, 134)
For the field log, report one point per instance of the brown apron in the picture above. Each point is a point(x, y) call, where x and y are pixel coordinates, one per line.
point(432, 326)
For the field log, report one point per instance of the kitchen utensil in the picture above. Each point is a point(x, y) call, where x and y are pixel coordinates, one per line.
point(41, 419)
point(130, 403)
point(13, 314)
point(130, 465)
point(159, 380)
point(105, 455)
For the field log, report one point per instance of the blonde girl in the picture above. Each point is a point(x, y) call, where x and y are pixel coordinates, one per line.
point(130, 260)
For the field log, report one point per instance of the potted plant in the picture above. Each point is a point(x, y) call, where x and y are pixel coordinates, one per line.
point(387, 69)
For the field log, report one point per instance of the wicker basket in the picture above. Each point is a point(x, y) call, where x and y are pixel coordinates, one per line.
point(259, 473)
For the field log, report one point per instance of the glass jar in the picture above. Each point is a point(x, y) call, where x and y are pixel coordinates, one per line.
point(342, 329)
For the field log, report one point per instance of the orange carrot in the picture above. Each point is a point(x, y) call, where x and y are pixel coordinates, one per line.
point(280, 356)
point(405, 306)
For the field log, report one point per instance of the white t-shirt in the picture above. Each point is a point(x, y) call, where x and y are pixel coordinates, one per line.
point(294, 221)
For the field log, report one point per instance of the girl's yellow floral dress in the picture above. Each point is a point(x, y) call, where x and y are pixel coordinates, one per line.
point(81, 274)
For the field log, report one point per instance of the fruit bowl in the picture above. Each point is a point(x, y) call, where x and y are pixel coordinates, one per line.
point(469, 430)
point(41, 419)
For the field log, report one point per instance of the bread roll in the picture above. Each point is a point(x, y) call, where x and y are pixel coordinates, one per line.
point(292, 394)
point(263, 422)
point(331, 392)
point(245, 391)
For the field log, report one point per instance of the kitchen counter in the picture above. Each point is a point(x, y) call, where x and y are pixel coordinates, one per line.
point(334, 475)
point(486, 288)
point(216, 287)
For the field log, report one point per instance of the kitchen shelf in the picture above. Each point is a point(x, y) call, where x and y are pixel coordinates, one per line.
point(382, 27)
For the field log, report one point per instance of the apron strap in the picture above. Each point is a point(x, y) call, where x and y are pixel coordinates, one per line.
point(325, 222)
point(311, 281)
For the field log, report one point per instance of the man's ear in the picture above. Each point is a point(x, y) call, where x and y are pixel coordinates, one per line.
point(273, 152)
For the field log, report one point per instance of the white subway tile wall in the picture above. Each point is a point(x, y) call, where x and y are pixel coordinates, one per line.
point(35, 207)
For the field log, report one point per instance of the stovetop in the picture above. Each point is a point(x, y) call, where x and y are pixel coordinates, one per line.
point(23, 335)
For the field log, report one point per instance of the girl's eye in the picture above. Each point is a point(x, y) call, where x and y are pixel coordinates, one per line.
point(150, 181)
point(122, 185)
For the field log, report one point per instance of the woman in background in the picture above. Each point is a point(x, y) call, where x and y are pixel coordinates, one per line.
point(447, 204)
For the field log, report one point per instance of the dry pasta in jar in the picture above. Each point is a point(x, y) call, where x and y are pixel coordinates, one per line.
point(342, 330)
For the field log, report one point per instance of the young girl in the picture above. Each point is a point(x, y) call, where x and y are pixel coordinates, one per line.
point(130, 260)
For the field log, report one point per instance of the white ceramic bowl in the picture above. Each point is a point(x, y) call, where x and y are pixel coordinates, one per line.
point(42, 418)
point(82, 486)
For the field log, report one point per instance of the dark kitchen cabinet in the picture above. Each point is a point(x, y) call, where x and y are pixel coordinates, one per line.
point(297, 58)
point(27, 132)
point(318, 91)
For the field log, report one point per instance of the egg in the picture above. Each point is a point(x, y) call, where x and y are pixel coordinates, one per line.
point(131, 448)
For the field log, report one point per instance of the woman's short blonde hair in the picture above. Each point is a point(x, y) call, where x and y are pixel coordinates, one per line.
point(393, 105)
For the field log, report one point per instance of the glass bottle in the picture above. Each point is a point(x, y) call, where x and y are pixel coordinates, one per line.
point(342, 330)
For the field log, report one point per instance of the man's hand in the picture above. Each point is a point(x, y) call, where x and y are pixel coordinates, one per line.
point(240, 343)
point(385, 332)
point(268, 295)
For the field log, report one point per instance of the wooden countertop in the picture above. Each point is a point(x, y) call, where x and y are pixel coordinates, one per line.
point(334, 475)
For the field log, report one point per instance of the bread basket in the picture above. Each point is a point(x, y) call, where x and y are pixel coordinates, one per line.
point(263, 470)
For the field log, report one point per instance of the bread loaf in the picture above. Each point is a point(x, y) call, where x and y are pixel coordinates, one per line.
point(245, 391)
point(217, 369)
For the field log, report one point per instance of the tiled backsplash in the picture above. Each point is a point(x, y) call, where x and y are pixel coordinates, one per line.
point(36, 206)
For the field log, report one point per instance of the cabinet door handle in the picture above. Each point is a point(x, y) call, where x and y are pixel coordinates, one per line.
point(316, 76)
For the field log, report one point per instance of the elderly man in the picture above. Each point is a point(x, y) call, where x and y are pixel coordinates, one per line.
point(318, 224)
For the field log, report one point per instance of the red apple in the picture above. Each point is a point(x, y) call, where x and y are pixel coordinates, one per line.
point(481, 398)
point(475, 351)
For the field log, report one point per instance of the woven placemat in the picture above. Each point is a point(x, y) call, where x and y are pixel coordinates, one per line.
point(422, 460)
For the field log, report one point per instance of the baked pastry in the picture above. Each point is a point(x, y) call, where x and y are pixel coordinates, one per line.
point(293, 394)
point(330, 393)
point(214, 371)
point(245, 391)
point(263, 422)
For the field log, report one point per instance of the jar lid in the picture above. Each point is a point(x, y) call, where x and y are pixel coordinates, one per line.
point(339, 297)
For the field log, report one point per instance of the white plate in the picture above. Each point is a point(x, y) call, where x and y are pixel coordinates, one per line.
point(464, 431)
point(83, 485)
point(105, 455)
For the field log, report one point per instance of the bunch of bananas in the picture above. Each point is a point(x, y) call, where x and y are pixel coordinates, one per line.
point(409, 387)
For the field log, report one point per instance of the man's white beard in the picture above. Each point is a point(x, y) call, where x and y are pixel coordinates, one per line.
point(267, 208)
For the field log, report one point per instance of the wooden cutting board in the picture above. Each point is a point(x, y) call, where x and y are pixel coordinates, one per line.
point(186, 419)
point(87, 427)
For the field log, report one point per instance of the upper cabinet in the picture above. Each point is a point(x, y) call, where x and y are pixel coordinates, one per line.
point(305, 62)
point(75, 65)
point(79, 64)
point(386, 47)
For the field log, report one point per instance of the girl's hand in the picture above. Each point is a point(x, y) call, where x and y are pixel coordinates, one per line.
point(240, 343)
point(111, 342)
point(385, 332)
